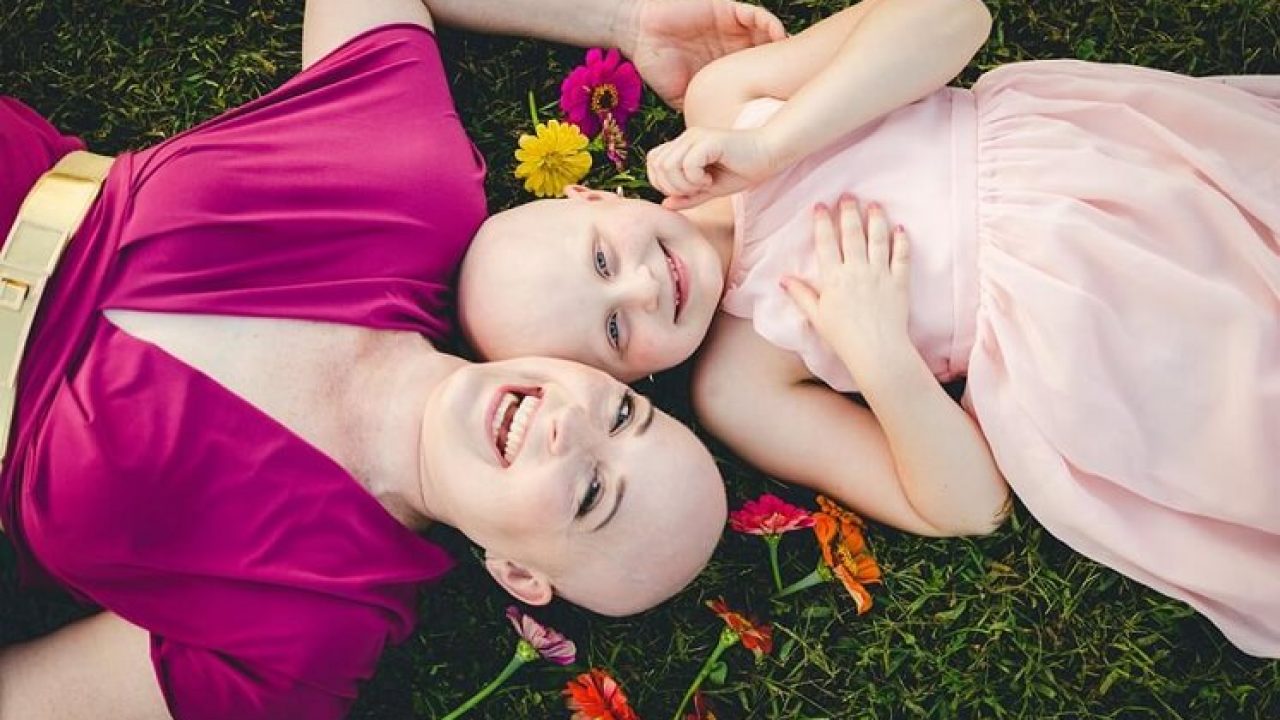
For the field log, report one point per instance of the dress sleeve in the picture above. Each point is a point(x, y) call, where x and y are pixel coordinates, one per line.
point(202, 684)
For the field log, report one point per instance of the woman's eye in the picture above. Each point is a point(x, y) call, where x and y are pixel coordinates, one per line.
point(591, 497)
point(602, 264)
point(611, 330)
point(625, 409)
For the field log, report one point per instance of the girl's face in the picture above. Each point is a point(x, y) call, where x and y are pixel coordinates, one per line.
point(622, 285)
point(571, 482)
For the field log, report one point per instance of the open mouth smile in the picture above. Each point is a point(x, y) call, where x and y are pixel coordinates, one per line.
point(509, 419)
point(679, 280)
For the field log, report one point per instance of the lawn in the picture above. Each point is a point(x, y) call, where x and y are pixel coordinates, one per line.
point(1014, 625)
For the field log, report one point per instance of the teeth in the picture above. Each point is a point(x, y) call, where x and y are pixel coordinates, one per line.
point(519, 423)
point(503, 406)
point(675, 280)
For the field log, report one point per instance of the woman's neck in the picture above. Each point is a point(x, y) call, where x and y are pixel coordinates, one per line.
point(714, 220)
point(392, 383)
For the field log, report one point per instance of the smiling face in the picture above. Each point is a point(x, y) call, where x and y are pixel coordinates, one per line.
point(622, 285)
point(571, 482)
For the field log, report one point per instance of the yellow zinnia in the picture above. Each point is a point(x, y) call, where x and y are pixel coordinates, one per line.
point(555, 157)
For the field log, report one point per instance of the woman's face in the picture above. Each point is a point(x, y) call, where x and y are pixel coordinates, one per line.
point(567, 477)
point(622, 285)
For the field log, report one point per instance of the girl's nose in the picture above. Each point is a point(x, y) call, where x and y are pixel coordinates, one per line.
point(640, 289)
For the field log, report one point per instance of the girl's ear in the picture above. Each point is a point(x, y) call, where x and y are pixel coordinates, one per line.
point(582, 192)
point(528, 586)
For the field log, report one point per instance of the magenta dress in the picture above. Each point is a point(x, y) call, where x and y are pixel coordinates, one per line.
point(269, 579)
point(1097, 249)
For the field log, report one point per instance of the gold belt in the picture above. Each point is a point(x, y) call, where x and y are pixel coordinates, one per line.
point(49, 216)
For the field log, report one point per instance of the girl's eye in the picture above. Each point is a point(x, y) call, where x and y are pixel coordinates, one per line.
point(625, 410)
point(592, 496)
point(602, 264)
point(611, 330)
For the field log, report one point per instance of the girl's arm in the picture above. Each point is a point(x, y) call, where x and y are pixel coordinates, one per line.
point(916, 460)
point(835, 77)
point(94, 669)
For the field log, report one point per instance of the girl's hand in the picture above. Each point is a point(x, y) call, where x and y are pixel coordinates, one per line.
point(859, 303)
point(704, 163)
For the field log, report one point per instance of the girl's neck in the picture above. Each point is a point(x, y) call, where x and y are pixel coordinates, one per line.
point(715, 221)
point(393, 382)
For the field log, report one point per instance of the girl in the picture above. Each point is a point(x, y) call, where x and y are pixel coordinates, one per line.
point(1095, 250)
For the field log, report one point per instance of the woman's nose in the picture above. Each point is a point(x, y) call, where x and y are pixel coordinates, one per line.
point(568, 431)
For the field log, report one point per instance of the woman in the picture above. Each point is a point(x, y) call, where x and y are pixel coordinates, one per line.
point(1094, 247)
point(230, 418)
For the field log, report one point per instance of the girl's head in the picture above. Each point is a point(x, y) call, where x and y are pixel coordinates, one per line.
point(572, 483)
point(620, 284)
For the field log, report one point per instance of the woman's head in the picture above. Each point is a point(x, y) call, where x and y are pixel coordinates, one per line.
point(571, 483)
point(620, 284)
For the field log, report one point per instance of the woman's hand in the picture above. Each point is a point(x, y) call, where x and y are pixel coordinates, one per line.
point(670, 40)
point(705, 163)
point(859, 303)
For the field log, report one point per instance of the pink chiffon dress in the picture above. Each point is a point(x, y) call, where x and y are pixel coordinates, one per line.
point(269, 579)
point(1096, 248)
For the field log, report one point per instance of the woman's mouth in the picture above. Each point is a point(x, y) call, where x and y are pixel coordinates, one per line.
point(679, 281)
point(510, 418)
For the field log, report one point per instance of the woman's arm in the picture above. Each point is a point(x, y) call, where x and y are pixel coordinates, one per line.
point(327, 24)
point(835, 77)
point(668, 40)
point(95, 669)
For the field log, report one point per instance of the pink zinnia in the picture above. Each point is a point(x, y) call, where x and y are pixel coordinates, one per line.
point(550, 644)
point(769, 515)
point(606, 85)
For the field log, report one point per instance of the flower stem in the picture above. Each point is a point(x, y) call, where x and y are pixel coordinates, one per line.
point(728, 638)
point(772, 542)
point(818, 576)
point(516, 661)
point(533, 110)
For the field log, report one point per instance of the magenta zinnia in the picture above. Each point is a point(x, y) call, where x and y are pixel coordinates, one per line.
point(605, 85)
point(769, 515)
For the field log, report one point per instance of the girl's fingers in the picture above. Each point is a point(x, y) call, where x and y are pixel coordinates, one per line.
point(803, 295)
point(877, 238)
point(825, 244)
point(900, 264)
point(853, 241)
point(654, 168)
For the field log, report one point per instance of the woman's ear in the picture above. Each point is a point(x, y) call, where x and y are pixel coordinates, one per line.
point(528, 586)
point(582, 192)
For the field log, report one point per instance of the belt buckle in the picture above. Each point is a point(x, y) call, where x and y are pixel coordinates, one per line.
point(13, 292)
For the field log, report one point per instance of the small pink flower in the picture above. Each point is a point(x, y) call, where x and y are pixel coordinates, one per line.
point(769, 515)
point(550, 644)
point(604, 85)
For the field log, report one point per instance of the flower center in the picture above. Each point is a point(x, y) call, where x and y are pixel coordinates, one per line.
point(604, 98)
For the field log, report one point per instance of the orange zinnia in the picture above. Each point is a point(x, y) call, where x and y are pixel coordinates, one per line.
point(756, 638)
point(844, 551)
point(597, 696)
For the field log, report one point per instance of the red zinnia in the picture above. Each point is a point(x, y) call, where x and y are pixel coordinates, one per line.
point(597, 696)
point(605, 85)
point(769, 515)
point(756, 638)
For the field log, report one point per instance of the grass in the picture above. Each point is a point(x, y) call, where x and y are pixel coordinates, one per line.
point(1011, 626)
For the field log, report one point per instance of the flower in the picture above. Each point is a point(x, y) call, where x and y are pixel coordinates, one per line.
point(548, 643)
point(595, 695)
point(536, 641)
point(553, 158)
point(844, 551)
point(701, 708)
point(756, 638)
point(615, 143)
point(769, 515)
point(605, 85)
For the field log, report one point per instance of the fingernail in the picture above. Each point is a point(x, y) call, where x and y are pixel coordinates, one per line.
point(899, 229)
point(873, 207)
